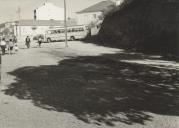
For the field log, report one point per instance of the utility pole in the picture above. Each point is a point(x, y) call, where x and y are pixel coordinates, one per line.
point(19, 18)
point(65, 24)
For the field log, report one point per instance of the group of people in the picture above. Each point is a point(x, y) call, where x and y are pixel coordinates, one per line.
point(8, 44)
point(28, 41)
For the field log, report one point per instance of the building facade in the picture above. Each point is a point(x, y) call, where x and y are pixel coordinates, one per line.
point(32, 28)
point(118, 2)
point(95, 12)
point(49, 11)
point(87, 18)
point(45, 17)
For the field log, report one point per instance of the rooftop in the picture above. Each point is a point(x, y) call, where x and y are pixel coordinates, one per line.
point(45, 23)
point(99, 7)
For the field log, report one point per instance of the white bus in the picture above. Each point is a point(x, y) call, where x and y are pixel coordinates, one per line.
point(73, 33)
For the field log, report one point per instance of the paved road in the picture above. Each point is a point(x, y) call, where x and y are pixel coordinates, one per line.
point(81, 87)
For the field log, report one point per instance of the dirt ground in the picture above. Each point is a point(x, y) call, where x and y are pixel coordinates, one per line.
point(87, 86)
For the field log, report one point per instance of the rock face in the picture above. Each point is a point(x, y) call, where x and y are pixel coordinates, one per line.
point(147, 25)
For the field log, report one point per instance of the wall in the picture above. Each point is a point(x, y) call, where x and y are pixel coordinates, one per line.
point(87, 18)
point(118, 2)
point(23, 31)
point(49, 11)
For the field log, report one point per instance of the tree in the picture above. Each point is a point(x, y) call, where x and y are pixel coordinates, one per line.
point(6, 31)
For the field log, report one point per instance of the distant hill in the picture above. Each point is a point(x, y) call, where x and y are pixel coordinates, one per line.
point(150, 26)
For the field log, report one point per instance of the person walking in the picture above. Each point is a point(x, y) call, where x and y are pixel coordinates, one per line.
point(3, 46)
point(11, 45)
point(16, 47)
point(27, 42)
point(40, 41)
point(15, 39)
point(7, 42)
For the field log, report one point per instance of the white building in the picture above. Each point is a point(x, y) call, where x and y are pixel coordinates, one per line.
point(35, 27)
point(49, 11)
point(118, 2)
point(95, 12)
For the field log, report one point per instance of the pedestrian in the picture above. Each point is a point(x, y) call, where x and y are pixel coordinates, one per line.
point(7, 42)
point(6, 39)
point(40, 41)
point(15, 40)
point(16, 47)
point(3, 46)
point(11, 45)
point(27, 42)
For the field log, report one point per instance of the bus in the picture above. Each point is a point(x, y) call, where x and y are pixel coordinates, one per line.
point(73, 33)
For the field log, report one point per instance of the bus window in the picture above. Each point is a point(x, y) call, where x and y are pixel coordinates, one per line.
point(69, 30)
point(62, 31)
point(48, 32)
point(73, 29)
point(53, 32)
point(81, 29)
point(58, 31)
point(78, 29)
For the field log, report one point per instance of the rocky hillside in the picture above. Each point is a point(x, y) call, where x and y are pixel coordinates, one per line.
point(147, 25)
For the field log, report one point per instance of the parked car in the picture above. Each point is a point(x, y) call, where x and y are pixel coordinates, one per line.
point(37, 37)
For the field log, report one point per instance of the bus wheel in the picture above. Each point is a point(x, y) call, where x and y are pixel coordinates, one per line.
point(48, 40)
point(72, 38)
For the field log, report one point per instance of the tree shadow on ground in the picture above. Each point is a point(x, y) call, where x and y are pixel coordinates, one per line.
point(100, 89)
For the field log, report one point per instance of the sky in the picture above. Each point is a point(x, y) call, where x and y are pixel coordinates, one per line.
point(8, 8)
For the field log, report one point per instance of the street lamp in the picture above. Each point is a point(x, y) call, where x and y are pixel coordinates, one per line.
point(65, 24)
